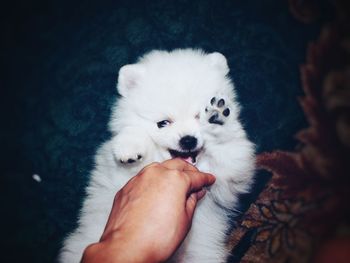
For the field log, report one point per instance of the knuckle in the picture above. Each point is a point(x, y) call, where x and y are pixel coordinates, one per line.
point(154, 164)
point(150, 167)
point(118, 195)
point(176, 173)
point(187, 179)
point(182, 176)
point(90, 250)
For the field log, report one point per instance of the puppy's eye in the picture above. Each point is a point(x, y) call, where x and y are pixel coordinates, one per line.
point(163, 123)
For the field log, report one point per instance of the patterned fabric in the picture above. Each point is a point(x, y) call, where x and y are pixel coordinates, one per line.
point(59, 65)
point(305, 203)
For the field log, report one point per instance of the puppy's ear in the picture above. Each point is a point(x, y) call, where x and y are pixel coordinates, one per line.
point(129, 78)
point(218, 61)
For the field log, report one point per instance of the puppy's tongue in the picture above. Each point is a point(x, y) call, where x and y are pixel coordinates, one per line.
point(188, 159)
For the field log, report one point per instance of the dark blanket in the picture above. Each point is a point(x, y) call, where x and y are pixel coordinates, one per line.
point(59, 64)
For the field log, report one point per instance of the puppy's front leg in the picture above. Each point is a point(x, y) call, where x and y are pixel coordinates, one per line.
point(131, 147)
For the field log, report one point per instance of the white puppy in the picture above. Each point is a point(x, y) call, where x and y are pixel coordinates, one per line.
point(173, 104)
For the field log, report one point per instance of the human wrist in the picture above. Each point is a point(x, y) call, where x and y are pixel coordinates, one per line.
point(115, 250)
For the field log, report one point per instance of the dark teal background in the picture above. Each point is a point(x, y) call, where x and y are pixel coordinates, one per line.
point(59, 64)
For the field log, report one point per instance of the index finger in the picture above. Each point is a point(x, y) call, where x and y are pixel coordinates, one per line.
point(179, 164)
point(198, 180)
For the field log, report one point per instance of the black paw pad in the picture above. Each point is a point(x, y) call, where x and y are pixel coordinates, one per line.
point(131, 160)
point(221, 103)
point(214, 119)
point(226, 112)
point(217, 112)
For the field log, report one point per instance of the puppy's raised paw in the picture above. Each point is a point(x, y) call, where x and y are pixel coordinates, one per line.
point(130, 160)
point(217, 112)
point(128, 152)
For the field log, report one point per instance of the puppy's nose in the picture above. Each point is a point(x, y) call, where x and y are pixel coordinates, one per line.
point(188, 142)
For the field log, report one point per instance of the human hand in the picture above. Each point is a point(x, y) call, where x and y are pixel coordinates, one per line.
point(151, 214)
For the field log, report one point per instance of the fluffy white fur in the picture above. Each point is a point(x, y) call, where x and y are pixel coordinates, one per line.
point(176, 86)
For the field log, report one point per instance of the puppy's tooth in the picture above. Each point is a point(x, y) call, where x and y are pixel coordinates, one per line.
point(226, 112)
point(212, 101)
point(221, 103)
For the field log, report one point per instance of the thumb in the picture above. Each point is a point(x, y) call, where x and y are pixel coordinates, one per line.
point(191, 202)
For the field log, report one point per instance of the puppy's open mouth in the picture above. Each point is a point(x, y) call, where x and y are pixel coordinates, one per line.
point(188, 156)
